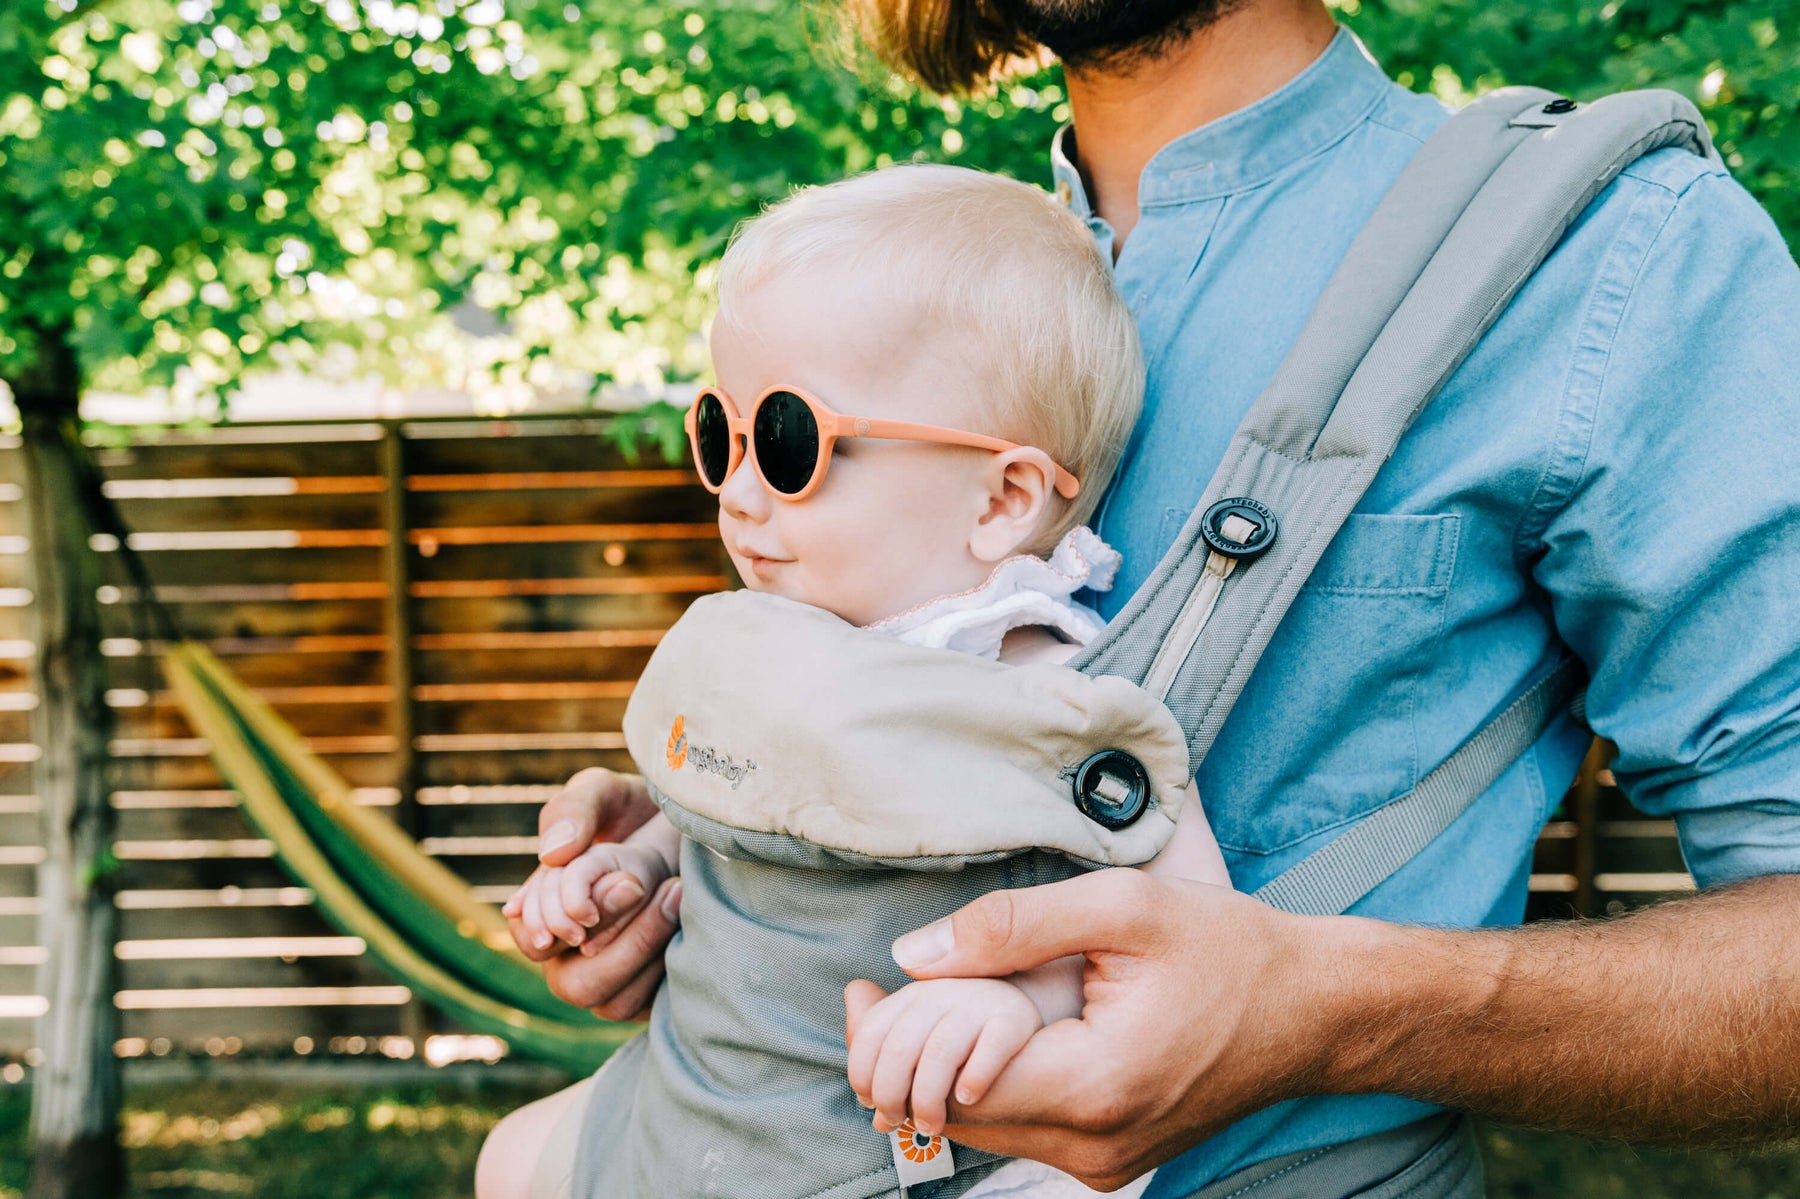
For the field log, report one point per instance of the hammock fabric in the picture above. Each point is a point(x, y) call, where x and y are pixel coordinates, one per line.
point(370, 880)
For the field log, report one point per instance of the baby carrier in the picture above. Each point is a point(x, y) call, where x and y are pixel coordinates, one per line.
point(839, 788)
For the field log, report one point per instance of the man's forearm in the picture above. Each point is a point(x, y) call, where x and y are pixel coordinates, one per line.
point(1678, 1024)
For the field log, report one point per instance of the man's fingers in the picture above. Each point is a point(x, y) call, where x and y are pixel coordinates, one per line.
point(633, 1000)
point(1005, 932)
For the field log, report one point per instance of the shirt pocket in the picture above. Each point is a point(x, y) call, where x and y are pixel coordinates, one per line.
point(1325, 730)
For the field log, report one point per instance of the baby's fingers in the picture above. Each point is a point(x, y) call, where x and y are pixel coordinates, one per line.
point(557, 916)
point(999, 1042)
point(946, 1049)
point(531, 915)
point(866, 1039)
point(576, 890)
point(892, 1084)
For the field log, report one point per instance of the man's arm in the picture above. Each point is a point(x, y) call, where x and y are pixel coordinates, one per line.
point(1679, 1024)
point(1676, 1024)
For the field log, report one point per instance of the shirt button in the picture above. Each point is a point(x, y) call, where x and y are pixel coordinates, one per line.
point(1064, 193)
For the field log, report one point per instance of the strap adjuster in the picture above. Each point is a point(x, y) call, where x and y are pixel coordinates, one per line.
point(1239, 528)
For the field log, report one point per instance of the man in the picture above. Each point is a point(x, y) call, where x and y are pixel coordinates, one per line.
point(1616, 468)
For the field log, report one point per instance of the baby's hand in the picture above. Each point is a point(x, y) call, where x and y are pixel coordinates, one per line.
point(927, 1035)
point(592, 894)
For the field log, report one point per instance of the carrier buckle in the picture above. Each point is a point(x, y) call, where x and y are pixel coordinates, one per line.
point(1112, 789)
point(1239, 528)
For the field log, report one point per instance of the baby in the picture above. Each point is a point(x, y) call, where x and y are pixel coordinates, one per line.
point(925, 381)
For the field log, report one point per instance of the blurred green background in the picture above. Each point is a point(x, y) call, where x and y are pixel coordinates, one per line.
point(198, 187)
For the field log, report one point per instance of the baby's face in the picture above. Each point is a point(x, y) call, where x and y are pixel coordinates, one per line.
point(890, 525)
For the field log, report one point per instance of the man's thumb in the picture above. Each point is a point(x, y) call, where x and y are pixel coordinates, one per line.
point(1004, 932)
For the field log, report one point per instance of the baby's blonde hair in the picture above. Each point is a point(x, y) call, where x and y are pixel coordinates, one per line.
point(994, 264)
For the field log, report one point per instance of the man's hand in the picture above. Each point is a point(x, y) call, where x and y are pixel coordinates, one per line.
point(618, 967)
point(1679, 1024)
point(1198, 1011)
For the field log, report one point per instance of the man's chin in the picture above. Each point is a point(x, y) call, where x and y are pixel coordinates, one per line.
point(1111, 33)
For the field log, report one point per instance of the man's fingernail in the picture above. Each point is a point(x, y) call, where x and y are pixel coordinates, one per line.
point(556, 836)
point(621, 896)
point(671, 902)
point(925, 946)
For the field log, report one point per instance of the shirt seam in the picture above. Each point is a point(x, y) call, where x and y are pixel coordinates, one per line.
point(1571, 443)
point(1392, 128)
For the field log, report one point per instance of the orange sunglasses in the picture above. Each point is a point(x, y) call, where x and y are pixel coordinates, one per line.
point(788, 436)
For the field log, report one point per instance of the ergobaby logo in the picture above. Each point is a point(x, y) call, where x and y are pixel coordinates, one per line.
point(707, 760)
point(918, 1156)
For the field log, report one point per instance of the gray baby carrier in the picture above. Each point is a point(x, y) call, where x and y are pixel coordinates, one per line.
point(839, 788)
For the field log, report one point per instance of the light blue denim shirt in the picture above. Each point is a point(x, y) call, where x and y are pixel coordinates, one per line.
point(1616, 468)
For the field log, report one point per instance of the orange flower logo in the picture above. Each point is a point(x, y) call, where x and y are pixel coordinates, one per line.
point(915, 1145)
point(677, 750)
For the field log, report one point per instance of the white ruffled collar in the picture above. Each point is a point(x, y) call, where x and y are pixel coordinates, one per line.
point(1024, 590)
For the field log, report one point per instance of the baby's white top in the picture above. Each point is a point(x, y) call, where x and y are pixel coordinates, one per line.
point(1024, 590)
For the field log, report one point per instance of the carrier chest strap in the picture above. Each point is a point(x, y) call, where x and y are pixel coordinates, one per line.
point(1337, 876)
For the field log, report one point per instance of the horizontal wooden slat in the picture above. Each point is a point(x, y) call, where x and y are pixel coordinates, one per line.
point(435, 538)
point(543, 480)
point(246, 487)
point(156, 519)
point(611, 507)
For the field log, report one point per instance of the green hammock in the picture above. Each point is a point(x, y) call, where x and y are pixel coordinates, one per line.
point(417, 918)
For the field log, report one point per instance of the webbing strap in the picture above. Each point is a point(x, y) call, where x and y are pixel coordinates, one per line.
point(1480, 206)
point(1469, 219)
point(1335, 877)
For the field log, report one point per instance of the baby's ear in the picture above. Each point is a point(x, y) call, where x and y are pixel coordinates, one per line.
point(1020, 488)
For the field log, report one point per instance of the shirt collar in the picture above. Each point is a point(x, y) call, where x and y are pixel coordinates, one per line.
point(1240, 150)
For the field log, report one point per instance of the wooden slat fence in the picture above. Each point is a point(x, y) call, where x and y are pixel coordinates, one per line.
point(453, 612)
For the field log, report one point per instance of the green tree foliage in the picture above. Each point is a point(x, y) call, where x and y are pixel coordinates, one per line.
point(200, 185)
point(1739, 61)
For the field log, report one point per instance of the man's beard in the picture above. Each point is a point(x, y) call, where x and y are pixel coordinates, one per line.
point(1111, 33)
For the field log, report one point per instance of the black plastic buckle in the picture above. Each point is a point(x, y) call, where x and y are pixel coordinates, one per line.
point(1112, 789)
point(1260, 541)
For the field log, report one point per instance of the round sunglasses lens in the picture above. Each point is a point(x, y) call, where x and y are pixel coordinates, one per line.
point(712, 440)
point(787, 442)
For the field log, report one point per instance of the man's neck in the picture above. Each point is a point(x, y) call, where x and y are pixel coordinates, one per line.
point(1123, 116)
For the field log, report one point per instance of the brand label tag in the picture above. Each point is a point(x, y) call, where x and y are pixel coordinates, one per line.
point(918, 1157)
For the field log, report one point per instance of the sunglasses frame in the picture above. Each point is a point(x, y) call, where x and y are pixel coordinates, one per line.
point(833, 425)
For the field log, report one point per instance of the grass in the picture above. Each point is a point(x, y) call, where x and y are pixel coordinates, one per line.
point(210, 1140)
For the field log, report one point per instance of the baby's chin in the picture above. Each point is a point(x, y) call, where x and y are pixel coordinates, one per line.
point(789, 590)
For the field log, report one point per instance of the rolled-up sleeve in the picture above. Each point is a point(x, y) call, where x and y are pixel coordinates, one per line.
point(1673, 563)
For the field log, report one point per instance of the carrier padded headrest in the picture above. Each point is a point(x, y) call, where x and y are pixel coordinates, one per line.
point(770, 716)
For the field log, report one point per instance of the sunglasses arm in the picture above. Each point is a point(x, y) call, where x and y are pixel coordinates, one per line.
point(898, 430)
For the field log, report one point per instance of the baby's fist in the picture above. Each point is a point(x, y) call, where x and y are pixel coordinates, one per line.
point(910, 1048)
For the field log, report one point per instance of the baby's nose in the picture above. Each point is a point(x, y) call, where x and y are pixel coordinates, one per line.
point(744, 497)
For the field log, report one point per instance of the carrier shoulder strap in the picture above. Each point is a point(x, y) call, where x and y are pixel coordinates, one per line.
point(1471, 217)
